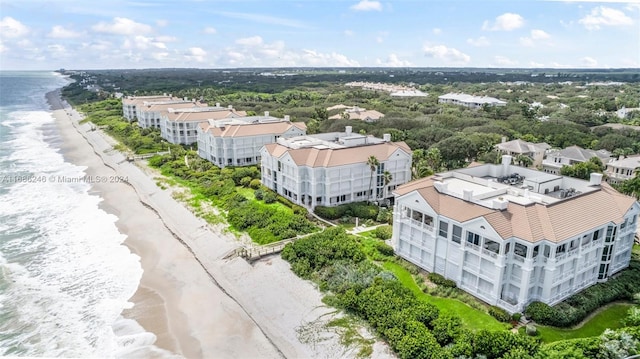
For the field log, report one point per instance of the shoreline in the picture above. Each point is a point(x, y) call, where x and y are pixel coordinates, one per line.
point(198, 304)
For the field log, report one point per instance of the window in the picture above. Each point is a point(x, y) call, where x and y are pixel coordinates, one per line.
point(611, 234)
point(473, 238)
point(443, 229)
point(536, 250)
point(520, 249)
point(561, 248)
point(456, 233)
point(491, 246)
point(596, 234)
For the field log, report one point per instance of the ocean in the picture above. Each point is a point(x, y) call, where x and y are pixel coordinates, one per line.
point(65, 275)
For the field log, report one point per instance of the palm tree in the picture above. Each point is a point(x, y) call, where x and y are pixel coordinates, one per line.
point(524, 160)
point(373, 163)
point(386, 177)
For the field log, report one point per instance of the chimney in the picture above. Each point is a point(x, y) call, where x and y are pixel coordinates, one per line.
point(467, 194)
point(504, 139)
point(386, 137)
point(185, 98)
point(266, 114)
point(526, 193)
point(506, 164)
point(230, 107)
point(217, 104)
point(170, 95)
point(287, 118)
point(165, 94)
point(595, 179)
point(348, 130)
point(621, 157)
point(440, 186)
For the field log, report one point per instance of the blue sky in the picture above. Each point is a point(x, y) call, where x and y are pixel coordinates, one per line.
point(79, 34)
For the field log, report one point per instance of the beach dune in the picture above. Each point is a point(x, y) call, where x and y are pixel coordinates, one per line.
point(198, 304)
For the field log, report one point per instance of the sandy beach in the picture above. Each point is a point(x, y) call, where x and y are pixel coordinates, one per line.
point(198, 304)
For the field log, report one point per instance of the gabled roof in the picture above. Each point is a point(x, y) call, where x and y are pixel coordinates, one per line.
point(554, 222)
point(631, 162)
point(253, 129)
point(580, 154)
point(320, 156)
point(520, 146)
point(204, 115)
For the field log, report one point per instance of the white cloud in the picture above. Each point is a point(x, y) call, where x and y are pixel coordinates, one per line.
point(122, 26)
point(589, 61)
point(367, 5)
point(436, 31)
point(505, 22)
point(250, 41)
point(393, 61)
point(210, 30)
point(348, 33)
point(503, 61)
point(446, 54)
point(164, 38)
point(162, 23)
point(314, 58)
point(605, 16)
point(3, 48)
point(12, 28)
point(59, 32)
point(535, 64)
point(195, 54)
point(382, 35)
point(58, 51)
point(479, 42)
point(143, 43)
point(538, 34)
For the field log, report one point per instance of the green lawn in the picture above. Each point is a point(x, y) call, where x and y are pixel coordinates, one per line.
point(609, 318)
point(472, 318)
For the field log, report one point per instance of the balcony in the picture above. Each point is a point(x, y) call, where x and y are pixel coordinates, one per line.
point(472, 246)
point(511, 308)
point(489, 253)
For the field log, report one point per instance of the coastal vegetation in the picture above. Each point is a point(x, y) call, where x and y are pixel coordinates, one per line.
point(419, 316)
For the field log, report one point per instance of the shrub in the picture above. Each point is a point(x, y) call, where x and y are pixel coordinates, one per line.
point(384, 249)
point(383, 232)
point(259, 193)
point(500, 314)
point(436, 278)
point(269, 197)
point(245, 181)
point(516, 317)
point(330, 213)
point(255, 183)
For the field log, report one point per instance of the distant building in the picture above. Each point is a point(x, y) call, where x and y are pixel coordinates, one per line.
point(149, 113)
point(626, 112)
point(237, 141)
point(130, 104)
point(570, 156)
point(511, 235)
point(622, 169)
point(535, 151)
point(357, 113)
point(179, 126)
point(470, 101)
point(330, 169)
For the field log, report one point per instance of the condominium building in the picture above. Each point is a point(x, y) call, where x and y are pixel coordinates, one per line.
point(180, 125)
point(470, 101)
point(330, 169)
point(622, 169)
point(130, 104)
point(511, 235)
point(571, 156)
point(237, 141)
point(149, 114)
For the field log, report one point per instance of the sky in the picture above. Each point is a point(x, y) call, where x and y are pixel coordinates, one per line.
point(118, 34)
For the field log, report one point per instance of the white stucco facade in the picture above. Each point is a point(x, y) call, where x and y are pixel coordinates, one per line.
point(316, 173)
point(492, 241)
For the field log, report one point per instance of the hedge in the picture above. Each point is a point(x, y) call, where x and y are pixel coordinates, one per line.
point(436, 278)
point(361, 210)
point(573, 310)
point(500, 314)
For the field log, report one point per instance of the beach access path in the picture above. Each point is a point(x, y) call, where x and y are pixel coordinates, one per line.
point(198, 304)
